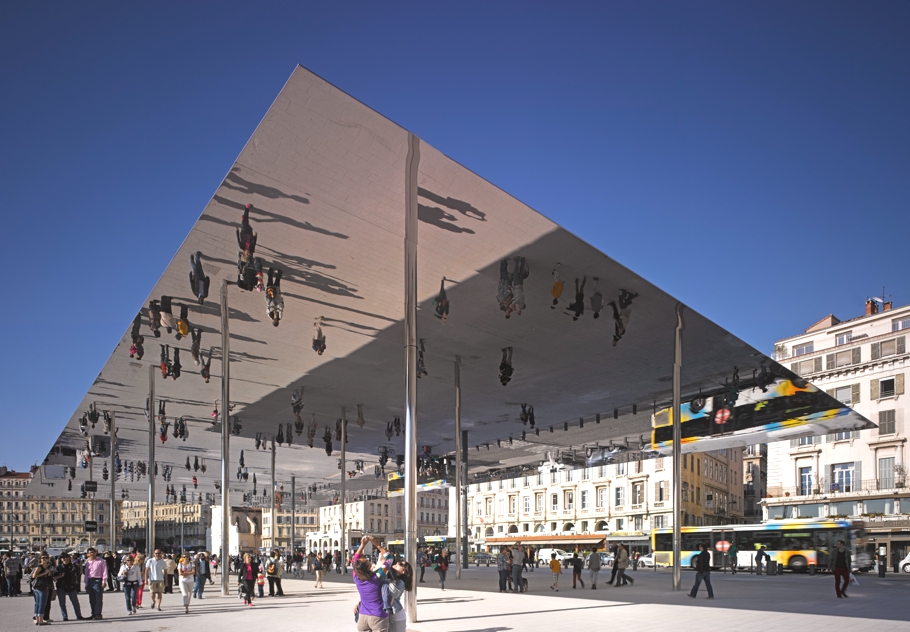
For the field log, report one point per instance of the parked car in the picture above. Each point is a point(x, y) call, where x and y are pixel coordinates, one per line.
point(482, 558)
point(646, 560)
point(904, 564)
point(606, 560)
point(544, 555)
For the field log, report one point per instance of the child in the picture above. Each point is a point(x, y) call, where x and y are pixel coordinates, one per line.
point(556, 569)
point(558, 283)
point(260, 582)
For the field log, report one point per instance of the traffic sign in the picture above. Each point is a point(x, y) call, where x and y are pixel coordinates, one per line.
point(91, 486)
point(722, 545)
point(91, 526)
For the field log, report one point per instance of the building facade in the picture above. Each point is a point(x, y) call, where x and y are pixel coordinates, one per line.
point(755, 480)
point(855, 474)
point(307, 521)
point(622, 500)
point(34, 522)
point(195, 518)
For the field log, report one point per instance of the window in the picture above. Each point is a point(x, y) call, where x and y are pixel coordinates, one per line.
point(527, 504)
point(886, 473)
point(803, 349)
point(806, 366)
point(844, 358)
point(900, 323)
point(489, 506)
point(554, 502)
point(584, 500)
point(639, 523)
point(538, 502)
point(619, 496)
point(806, 440)
point(886, 422)
point(805, 481)
point(843, 477)
point(659, 463)
point(886, 388)
point(844, 338)
point(502, 506)
point(584, 526)
point(657, 522)
point(570, 500)
point(513, 503)
point(601, 497)
point(620, 524)
point(638, 493)
point(660, 491)
point(843, 436)
point(620, 469)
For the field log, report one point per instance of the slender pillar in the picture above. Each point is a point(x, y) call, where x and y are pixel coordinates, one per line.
point(272, 511)
point(677, 445)
point(344, 498)
point(113, 482)
point(91, 502)
point(464, 498)
point(225, 440)
point(410, 348)
point(150, 505)
point(182, 520)
point(293, 517)
point(457, 467)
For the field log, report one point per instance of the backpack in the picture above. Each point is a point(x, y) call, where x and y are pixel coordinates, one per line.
point(272, 568)
point(317, 564)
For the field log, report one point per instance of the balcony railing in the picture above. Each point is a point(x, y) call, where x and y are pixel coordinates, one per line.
point(824, 487)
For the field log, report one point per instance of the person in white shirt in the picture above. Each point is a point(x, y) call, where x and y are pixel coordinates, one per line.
point(155, 576)
point(130, 576)
point(186, 569)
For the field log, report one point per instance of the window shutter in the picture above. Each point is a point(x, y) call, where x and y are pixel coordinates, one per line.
point(899, 384)
point(857, 356)
point(854, 394)
point(829, 437)
point(795, 367)
point(794, 443)
point(902, 344)
point(854, 434)
point(818, 364)
point(876, 350)
point(829, 361)
point(873, 390)
point(657, 497)
point(858, 475)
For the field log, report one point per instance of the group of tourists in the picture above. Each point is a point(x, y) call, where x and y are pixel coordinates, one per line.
point(63, 577)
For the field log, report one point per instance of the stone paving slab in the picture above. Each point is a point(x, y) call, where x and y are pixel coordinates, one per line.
point(473, 604)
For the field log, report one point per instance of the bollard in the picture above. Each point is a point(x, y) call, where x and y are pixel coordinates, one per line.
point(812, 569)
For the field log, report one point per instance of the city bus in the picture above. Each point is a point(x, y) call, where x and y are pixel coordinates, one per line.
point(795, 544)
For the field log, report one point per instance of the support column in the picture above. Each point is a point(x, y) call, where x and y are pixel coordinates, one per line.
point(182, 520)
point(457, 467)
point(113, 528)
point(150, 505)
point(293, 518)
point(274, 529)
point(464, 498)
point(344, 498)
point(410, 348)
point(677, 444)
point(91, 502)
point(225, 439)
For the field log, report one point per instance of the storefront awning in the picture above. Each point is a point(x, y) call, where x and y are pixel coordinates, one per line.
point(548, 539)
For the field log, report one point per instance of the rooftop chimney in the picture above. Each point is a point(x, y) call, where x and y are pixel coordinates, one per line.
point(871, 307)
point(886, 307)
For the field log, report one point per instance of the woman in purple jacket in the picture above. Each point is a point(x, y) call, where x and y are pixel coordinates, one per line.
point(371, 615)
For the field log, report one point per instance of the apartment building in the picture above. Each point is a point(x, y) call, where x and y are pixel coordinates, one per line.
point(34, 522)
point(305, 520)
point(584, 505)
point(755, 480)
point(195, 518)
point(854, 474)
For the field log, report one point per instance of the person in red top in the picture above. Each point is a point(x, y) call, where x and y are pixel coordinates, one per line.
point(247, 575)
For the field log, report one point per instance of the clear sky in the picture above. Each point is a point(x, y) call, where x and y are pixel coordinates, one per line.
point(749, 158)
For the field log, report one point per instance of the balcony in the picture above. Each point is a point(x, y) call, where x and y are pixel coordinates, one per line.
point(823, 487)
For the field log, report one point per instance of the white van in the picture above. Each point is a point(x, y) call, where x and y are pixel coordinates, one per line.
point(544, 555)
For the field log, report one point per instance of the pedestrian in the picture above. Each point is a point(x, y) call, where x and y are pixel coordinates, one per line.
point(168, 320)
point(733, 554)
point(274, 302)
point(95, 578)
point(597, 300)
point(136, 339)
point(170, 574)
point(202, 571)
point(319, 569)
point(421, 561)
point(319, 337)
point(42, 582)
point(247, 574)
point(578, 307)
point(505, 366)
point(840, 563)
point(556, 569)
point(622, 564)
point(594, 563)
point(760, 557)
point(558, 284)
point(370, 613)
point(634, 557)
point(441, 302)
point(68, 586)
point(140, 562)
point(532, 558)
point(183, 322)
point(399, 581)
point(421, 363)
point(130, 576)
point(504, 290)
point(165, 361)
point(246, 236)
point(622, 311)
point(155, 318)
point(12, 567)
point(199, 283)
point(274, 572)
point(442, 565)
point(156, 576)
point(502, 565)
point(702, 572)
point(187, 571)
point(175, 365)
point(578, 565)
point(260, 582)
point(206, 370)
point(518, 562)
point(519, 274)
point(614, 551)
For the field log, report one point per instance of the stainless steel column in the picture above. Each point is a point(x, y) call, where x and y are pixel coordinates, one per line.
point(274, 530)
point(91, 502)
point(677, 441)
point(150, 505)
point(293, 517)
point(344, 499)
point(113, 482)
point(464, 497)
point(182, 520)
point(410, 348)
point(225, 439)
point(457, 467)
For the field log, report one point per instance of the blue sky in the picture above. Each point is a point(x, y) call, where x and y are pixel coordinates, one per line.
point(749, 158)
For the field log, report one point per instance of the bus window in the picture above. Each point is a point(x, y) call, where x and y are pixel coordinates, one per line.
point(663, 542)
point(771, 540)
point(692, 541)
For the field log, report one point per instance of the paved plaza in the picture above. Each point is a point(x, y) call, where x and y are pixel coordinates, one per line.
point(473, 604)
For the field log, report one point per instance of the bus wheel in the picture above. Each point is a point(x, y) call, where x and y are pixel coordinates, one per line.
point(798, 564)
